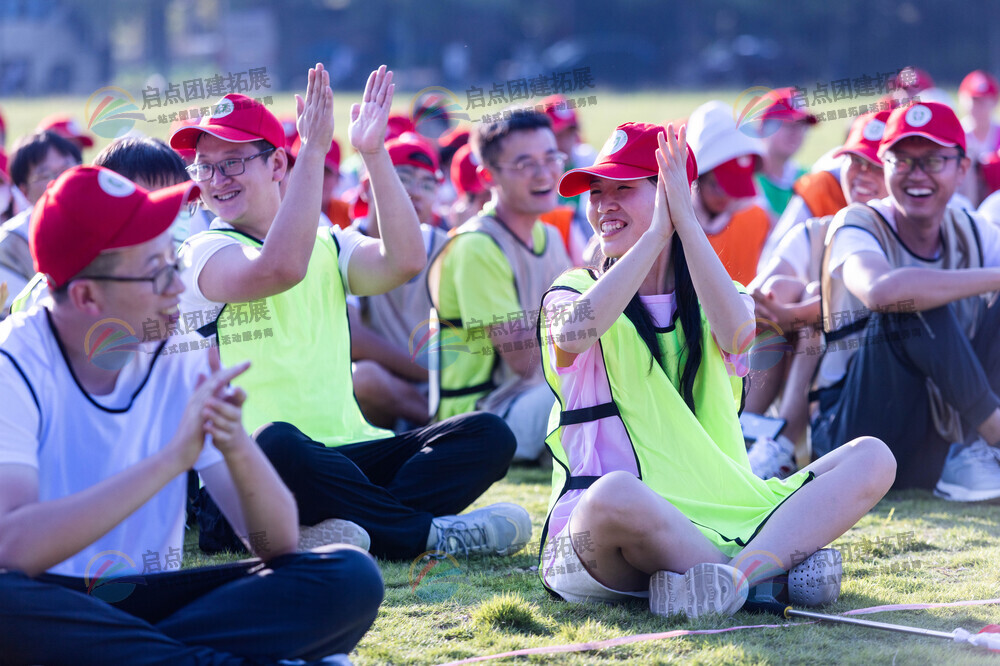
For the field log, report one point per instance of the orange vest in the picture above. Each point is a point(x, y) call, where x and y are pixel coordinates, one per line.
point(561, 218)
point(821, 192)
point(740, 243)
point(339, 213)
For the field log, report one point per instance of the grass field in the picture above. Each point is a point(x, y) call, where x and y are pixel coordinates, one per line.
point(912, 548)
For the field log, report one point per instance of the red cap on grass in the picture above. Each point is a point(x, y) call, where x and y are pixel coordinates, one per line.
point(865, 136)
point(465, 172)
point(735, 176)
point(235, 118)
point(979, 84)
point(88, 210)
point(629, 153)
point(785, 104)
point(934, 121)
point(66, 127)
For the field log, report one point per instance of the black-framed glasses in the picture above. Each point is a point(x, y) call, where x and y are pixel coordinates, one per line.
point(234, 166)
point(927, 163)
point(527, 165)
point(161, 279)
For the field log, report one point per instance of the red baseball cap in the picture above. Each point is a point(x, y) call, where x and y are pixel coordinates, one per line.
point(4, 172)
point(235, 118)
point(455, 137)
point(914, 79)
point(865, 136)
point(465, 172)
point(735, 176)
point(979, 84)
point(331, 161)
point(629, 153)
point(66, 127)
point(411, 149)
point(88, 210)
point(561, 116)
point(784, 104)
point(397, 124)
point(187, 154)
point(930, 120)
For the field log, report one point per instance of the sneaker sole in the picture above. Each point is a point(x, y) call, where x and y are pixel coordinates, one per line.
point(816, 580)
point(703, 589)
point(333, 531)
point(956, 493)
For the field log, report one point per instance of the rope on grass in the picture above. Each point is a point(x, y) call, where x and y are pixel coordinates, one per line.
point(639, 638)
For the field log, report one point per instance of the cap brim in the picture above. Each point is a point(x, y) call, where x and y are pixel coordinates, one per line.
point(155, 214)
point(738, 187)
point(577, 181)
point(186, 138)
point(884, 147)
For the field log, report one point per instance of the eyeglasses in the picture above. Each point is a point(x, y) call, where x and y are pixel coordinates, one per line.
point(865, 166)
point(161, 279)
point(409, 181)
point(527, 165)
point(234, 166)
point(49, 176)
point(927, 164)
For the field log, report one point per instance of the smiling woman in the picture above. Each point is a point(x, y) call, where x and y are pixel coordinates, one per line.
point(650, 459)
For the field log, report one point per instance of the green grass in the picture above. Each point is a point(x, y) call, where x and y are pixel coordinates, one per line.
point(912, 548)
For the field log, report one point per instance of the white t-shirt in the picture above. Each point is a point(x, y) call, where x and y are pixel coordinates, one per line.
point(989, 210)
point(75, 440)
point(198, 249)
point(795, 251)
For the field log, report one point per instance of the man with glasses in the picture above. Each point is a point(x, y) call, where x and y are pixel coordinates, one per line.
point(909, 323)
point(488, 281)
point(99, 433)
point(277, 283)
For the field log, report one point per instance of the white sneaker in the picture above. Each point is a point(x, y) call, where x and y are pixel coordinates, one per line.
point(498, 529)
point(704, 588)
point(971, 473)
point(333, 530)
point(772, 458)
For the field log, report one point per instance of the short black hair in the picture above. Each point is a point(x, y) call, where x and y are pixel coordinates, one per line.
point(260, 144)
point(487, 137)
point(143, 158)
point(31, 150)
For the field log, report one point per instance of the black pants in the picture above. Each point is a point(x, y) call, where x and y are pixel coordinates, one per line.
point(300, 605)
point(391, 487)
point(884, 393)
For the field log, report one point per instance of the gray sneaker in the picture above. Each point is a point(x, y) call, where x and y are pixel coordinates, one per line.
point(332, 531)
point(704, 588)
point(498, 529)
point(816, 580)
point(971, 473)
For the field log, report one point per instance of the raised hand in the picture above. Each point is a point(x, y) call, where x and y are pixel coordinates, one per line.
point(370, 118)
point(314, 114)
point(671, 156)
point(208, 410)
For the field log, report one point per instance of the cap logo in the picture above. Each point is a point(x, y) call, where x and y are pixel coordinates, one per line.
point(918, 116)
point(615, 143)
point(874, 130)
point(115, 185)
point(744, 161)
point(223, 108)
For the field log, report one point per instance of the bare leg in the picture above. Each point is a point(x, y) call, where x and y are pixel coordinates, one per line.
point(636, 533)
point(849, 481)
point(794, 406)
point(384, 397)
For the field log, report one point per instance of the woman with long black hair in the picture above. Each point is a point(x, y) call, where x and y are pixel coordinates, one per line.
point(652, 490)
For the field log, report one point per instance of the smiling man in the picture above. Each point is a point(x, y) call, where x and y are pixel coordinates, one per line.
point(911, 355)
point(489, 280)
